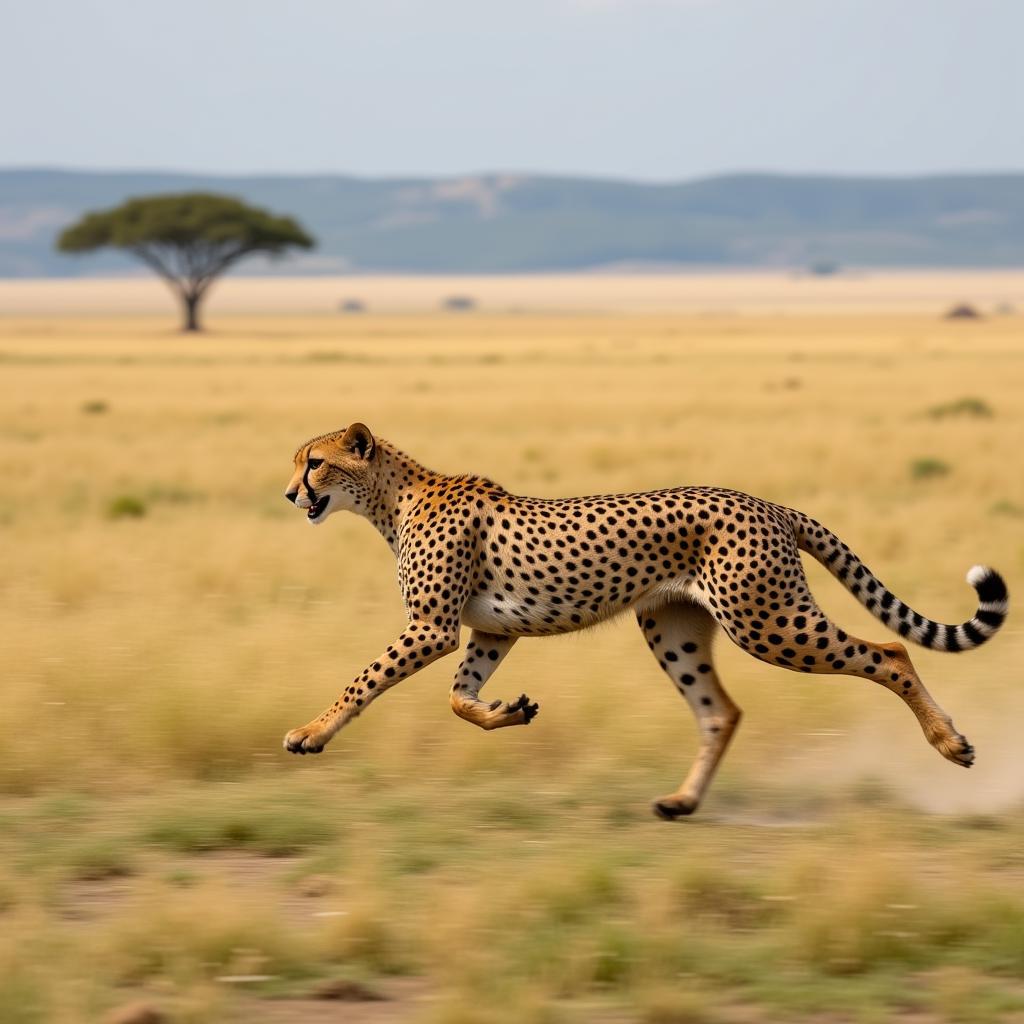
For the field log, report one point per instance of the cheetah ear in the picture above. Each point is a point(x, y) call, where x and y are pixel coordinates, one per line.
point(359, 440)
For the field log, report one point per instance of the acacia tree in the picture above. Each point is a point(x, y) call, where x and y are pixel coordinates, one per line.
point(188, 239)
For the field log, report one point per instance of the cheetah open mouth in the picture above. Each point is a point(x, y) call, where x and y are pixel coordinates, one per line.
point(316, 509)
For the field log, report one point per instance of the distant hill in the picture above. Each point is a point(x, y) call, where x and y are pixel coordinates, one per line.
point(498, 222)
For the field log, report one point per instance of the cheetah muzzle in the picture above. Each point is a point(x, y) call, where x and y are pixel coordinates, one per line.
point(318, 507)
point(689, 562)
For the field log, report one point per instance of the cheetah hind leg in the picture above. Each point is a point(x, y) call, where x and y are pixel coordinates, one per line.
point(903, 680)
point(810, 642)
point(680, 635)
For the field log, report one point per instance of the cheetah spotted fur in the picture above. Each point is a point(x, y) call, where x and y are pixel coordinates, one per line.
point(687, 561)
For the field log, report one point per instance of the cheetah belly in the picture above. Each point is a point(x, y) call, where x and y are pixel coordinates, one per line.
point(544, 618)
point(479, 613)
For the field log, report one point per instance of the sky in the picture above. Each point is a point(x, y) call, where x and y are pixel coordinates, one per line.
point(653, 90)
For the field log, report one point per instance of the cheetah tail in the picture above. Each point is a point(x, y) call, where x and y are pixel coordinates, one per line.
point(993, 599)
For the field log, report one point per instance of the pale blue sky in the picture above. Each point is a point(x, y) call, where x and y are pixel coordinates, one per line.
point(648, 89)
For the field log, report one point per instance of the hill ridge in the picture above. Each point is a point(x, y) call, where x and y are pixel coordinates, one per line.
point(520, 222)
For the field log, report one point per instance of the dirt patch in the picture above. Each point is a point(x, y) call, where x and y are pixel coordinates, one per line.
point(398, 1000)
point(89, 899)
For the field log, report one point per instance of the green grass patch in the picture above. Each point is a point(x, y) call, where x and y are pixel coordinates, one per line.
point(929, 468)
point(23, 997)
point(1006, 508)
point(126, 506)
point(272, 826)
point(97, 859)
point(973, 408)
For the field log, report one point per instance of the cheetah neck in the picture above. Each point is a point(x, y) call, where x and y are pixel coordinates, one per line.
point(399, 482)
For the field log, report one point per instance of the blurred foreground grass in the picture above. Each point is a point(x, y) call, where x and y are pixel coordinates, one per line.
point(166, 617)
point(501, 903)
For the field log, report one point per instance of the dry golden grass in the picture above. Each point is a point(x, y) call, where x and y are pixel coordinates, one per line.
point(167, 617)
point(715, 292)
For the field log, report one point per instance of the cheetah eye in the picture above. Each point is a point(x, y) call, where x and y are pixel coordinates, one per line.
point(315, 463)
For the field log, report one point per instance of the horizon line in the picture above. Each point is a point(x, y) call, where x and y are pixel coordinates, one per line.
point(534, 175)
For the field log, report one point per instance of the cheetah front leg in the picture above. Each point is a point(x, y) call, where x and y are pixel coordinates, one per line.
point(419, 644)
point(484, 654)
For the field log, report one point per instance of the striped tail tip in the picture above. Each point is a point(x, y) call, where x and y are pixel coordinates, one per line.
point(993, 604)
point(989, 585)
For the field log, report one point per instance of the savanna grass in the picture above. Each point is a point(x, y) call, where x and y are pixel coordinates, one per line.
point(152, 663)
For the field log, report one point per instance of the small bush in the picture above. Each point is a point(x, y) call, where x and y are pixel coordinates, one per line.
point(95, 407)
point(977, 408)
point(1006, 508)
point(126, 506)
point(928, 468)
point(963, 311)
point(95, 860)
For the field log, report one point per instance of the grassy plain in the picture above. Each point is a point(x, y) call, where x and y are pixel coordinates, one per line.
point(166, 617)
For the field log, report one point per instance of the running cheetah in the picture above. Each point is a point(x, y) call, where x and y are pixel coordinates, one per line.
point(686, 561)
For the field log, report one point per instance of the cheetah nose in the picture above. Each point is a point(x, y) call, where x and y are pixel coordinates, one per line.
point(291, 495)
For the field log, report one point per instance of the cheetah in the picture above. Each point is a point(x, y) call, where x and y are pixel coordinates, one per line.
point(687, 561)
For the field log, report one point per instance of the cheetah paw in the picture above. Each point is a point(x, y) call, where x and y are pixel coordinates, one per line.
point(956, 748)
point(530, 711)
point(303, 741)
point(669, 808)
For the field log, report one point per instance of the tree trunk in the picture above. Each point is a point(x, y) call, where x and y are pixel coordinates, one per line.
point(191, 301)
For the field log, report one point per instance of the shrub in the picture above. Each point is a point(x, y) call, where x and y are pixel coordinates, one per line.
point(977, 408)
point(963, 311)
point(95, 860)
point(1006, 508)
point(126, 506)
point(927, 468)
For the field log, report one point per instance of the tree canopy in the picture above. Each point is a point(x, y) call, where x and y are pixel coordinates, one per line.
point(188, 239)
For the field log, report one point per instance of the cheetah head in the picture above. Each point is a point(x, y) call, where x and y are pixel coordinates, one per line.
point(334, 472)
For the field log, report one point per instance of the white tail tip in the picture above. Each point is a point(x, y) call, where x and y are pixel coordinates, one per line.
point(977, 574)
